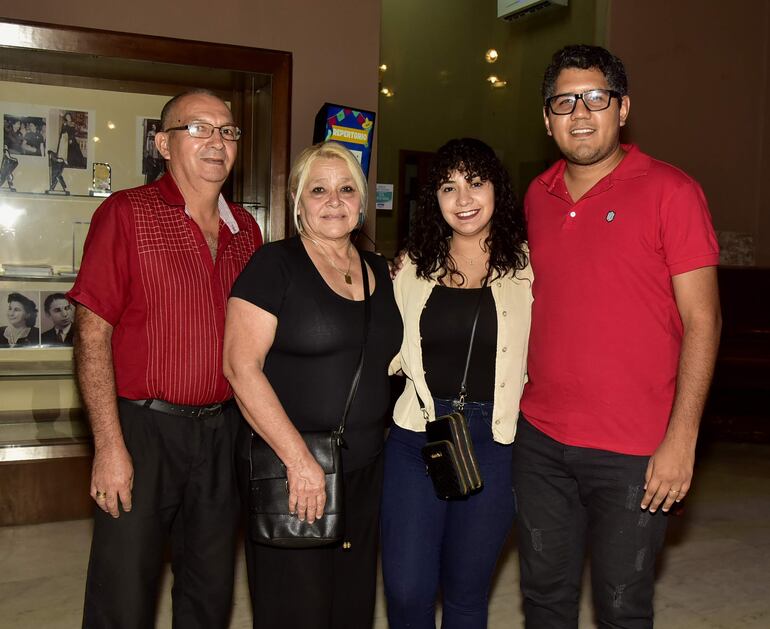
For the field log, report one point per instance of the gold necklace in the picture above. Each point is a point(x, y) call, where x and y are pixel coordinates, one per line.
point(470, 261)
point(345, 274)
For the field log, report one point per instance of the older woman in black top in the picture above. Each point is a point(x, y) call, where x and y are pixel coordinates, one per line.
point(292, 342)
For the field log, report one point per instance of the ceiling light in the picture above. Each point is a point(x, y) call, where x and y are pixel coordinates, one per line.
point(96, 138)
point(499, 83)
point(383, 67)
point(110, 124)
point(491, 55)
point(492, 79)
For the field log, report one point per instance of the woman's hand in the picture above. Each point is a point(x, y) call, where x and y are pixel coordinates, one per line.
point(307, 489)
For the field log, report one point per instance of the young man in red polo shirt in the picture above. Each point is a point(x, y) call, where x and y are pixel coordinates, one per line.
point(625, 329)
point(158, 265)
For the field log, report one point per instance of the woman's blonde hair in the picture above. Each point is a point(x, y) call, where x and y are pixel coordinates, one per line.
point(301, 168)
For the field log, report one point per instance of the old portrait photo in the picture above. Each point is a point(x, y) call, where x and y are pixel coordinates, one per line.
point(19, 321)
point(70, 129)
point(57, 320)
point(153, 164)
point(24, 135)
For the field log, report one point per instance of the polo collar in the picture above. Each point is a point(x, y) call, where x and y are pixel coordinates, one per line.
point(634, 164)
point(171, 195)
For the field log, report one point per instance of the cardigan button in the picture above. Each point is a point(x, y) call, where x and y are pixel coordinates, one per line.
point(497, 421)
point(505, 349)
point(502, 385)
point(505, 313)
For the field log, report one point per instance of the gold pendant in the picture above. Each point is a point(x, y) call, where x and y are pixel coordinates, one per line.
point(348, 279)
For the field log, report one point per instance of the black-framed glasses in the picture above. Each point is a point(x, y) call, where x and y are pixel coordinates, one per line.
point(594, 100)
point(205, 130)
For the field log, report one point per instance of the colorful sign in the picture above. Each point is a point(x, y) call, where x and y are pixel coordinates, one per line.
point(353, 128)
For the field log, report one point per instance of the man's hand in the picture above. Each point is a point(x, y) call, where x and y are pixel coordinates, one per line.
point(669, 474)
point(669, 471)
point(112, 479)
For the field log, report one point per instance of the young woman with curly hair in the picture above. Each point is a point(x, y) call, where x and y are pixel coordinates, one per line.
point(467, 247)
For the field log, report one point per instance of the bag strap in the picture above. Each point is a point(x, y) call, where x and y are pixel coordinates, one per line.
point(359, 368)
point(463, 389)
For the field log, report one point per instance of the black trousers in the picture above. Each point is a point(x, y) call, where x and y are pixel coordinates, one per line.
point(185, 490)
point(329, 587)
point(569, 498)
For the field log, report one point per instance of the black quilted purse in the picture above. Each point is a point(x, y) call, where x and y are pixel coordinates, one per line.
point(448, 454)
point(270, 522)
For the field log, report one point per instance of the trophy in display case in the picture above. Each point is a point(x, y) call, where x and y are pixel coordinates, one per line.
point(7, 166)
point(101, 185)
point(56, 168)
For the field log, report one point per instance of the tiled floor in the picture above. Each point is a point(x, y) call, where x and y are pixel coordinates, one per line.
point(715, 571)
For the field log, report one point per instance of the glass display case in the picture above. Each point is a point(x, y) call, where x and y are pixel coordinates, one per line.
point(80, 109)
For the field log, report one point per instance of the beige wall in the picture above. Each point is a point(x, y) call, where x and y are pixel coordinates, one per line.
point(335, 45)
point(435, 49)
point(698, 75)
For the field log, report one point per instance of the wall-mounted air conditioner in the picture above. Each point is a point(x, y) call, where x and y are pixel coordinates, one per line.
point(513, 9)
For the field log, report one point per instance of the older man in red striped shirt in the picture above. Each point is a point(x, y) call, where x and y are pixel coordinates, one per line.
point(157, 269)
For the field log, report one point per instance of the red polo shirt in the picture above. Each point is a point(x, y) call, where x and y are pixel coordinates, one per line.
point(147, 270)
point(606, 332)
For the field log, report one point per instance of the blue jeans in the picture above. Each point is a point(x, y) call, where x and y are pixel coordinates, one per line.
point(571, 498)
point(429, 543)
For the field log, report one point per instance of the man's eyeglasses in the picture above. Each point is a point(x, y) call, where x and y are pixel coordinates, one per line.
point(206, 130)
point(594, 100)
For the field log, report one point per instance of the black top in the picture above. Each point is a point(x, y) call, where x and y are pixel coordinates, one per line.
point(317, 343)
point(31, 340)
point(445, 330)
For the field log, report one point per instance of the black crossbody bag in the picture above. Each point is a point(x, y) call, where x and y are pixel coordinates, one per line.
point(448, 454)
point(270, 522)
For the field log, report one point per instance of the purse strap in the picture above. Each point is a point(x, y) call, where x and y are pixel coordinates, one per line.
point(463, 389)
point(359, 368)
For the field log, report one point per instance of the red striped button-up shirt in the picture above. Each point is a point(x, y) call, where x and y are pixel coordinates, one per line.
point(148, 272)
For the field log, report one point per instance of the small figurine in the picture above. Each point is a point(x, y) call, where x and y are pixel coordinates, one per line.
point(7, 166)
point(56, 165)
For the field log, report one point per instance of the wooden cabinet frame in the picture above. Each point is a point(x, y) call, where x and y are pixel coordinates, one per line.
point(277, 65)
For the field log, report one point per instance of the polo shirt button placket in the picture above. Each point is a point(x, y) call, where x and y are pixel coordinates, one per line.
point(570, 220)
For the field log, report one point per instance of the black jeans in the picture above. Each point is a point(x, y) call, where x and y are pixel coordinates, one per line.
point(569, 498)
point(185, 490)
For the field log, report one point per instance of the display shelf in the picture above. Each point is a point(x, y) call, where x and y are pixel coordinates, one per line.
point(7, 194)
point(36, 368)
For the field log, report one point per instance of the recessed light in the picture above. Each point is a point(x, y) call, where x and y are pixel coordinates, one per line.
point(491, 55)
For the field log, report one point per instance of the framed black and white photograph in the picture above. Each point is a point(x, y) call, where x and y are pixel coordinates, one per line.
point(20, 319)
point(153, 164)
point(57, 322)
point(24, 135)
point(70, 135)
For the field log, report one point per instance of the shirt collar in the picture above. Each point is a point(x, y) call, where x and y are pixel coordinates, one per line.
point(170, 193)
point(634, 164)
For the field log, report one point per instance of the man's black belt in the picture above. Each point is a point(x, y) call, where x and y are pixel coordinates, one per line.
point(180, 409)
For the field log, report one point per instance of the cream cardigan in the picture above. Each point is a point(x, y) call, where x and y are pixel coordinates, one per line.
point(513, 302)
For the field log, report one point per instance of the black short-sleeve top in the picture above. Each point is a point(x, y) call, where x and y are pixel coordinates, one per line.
point(317, 342)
